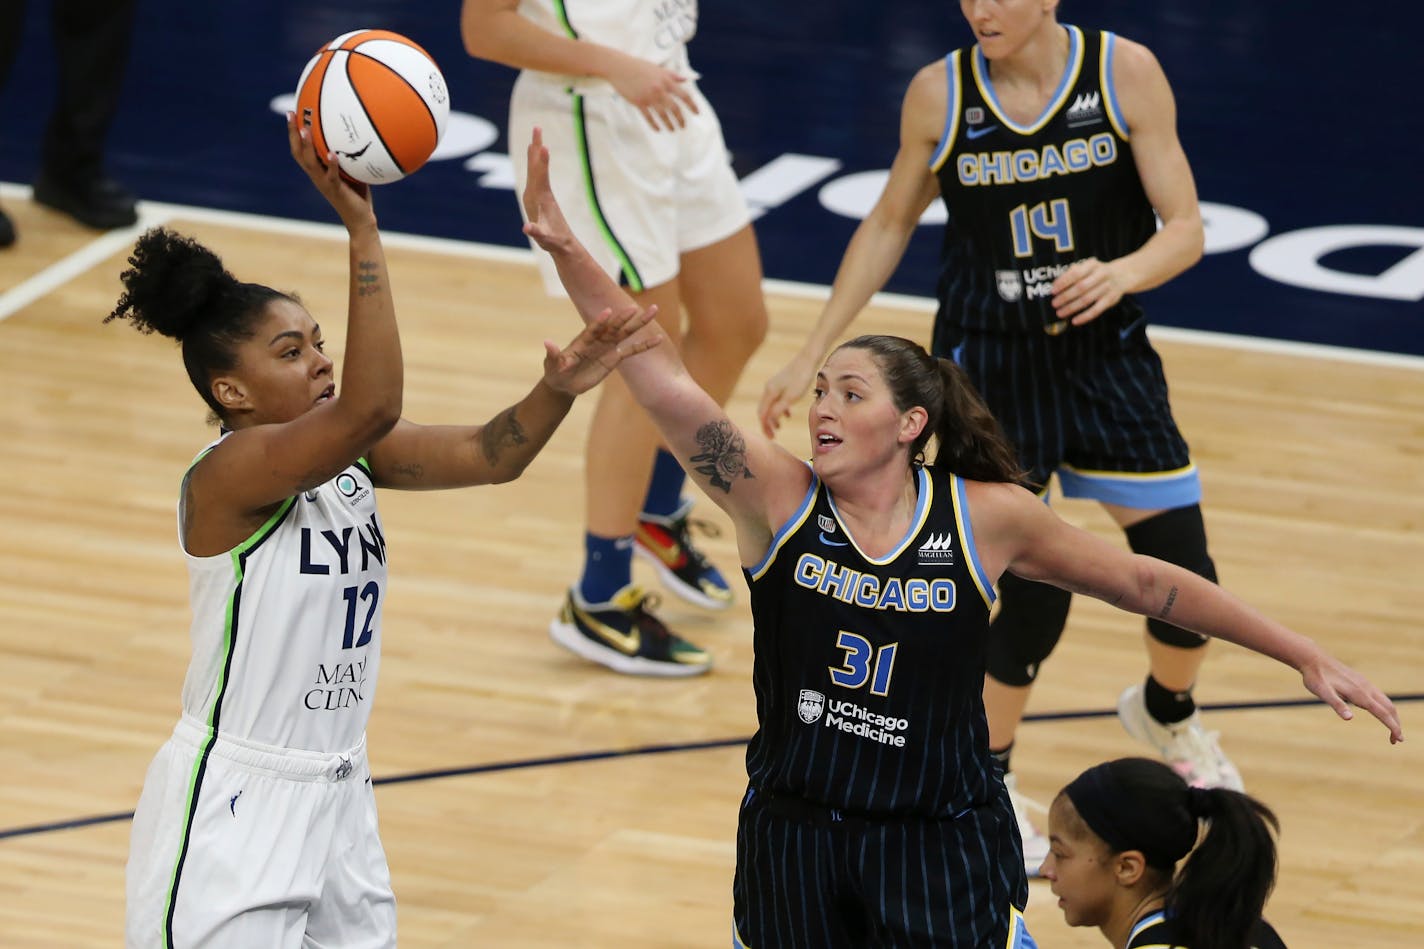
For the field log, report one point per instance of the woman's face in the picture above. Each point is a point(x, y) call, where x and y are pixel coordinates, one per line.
point(282, 371)
point(853, 420)
point(1001, 27)
point(1079, 867)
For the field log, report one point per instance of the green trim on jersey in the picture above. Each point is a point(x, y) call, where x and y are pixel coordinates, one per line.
point(563, 14)
point(238, 555)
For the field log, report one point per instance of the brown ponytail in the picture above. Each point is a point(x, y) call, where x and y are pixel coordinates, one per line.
point(970, 442)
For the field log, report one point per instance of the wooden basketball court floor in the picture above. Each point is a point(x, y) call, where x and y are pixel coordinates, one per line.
point(539, 801)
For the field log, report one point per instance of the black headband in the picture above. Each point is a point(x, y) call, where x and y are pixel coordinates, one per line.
point(1164, 829)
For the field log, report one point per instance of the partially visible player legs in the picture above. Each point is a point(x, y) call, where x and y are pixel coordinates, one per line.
point(1161, 711)
point(720, 285)
point(1027, 626)
point(605, 617)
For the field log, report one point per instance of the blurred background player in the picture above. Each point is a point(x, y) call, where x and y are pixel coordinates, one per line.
point(91, 45)
point(1052, 147)
point(1118, 832)
point(641, 169)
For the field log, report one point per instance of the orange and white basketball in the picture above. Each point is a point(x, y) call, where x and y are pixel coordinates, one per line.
point(378, 100)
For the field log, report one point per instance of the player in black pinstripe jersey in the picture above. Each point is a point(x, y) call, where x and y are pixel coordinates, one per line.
point(1051, 147)
point(1119, 831)
point(875, 815)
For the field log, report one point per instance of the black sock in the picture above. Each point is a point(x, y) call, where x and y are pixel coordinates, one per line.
point(1164, 705)
point(1002, 756)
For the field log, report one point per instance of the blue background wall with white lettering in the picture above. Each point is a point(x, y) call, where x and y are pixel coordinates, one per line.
point(1287, 133)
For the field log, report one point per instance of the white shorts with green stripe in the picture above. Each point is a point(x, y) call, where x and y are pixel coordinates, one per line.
point(236, 845)
point(637, 198)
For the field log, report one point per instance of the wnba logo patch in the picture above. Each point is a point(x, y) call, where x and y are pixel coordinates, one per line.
point(810, 706)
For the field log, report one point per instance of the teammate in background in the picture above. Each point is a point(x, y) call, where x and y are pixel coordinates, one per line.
point(257, 824)
point(875, 813)
point(1052, 146)
point(642, 172)
point(1118, 832)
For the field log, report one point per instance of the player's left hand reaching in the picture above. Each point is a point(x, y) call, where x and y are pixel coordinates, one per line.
point(594, 353)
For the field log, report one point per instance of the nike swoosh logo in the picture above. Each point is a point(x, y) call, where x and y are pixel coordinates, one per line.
point(1126, 331)
point(980, 133)
point(833, 543)
point(627, 643)
point(354, 155)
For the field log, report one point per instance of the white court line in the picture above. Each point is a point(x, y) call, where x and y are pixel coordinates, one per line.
point(153, 212)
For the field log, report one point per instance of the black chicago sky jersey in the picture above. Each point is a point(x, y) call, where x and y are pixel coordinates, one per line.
point(869, 673)
point(1025, 202)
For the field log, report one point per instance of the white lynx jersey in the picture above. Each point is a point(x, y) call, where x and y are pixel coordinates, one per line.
point(287, 625)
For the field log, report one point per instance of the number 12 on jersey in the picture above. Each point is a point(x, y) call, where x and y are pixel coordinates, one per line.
point(864, 663)
point(1047, 220)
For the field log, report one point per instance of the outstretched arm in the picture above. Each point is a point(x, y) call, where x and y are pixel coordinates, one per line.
point(876, 247)
point(758, 483)
point(423, 457)
point(1019, 533)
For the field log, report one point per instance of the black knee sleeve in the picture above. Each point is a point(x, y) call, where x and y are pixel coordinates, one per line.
point(1031, 617)
point(1177, 536)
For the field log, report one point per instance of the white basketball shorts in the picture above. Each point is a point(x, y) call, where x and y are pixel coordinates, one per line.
point(636, 198)
point(237, 845)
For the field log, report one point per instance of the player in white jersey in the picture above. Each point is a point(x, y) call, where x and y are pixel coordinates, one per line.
point(257, 823)
point(642, 169)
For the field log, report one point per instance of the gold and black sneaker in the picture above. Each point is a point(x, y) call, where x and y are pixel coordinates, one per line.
point(624, 636)
point(666, 543)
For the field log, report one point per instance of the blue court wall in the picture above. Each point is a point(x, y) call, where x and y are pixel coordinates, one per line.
point(1299, 118)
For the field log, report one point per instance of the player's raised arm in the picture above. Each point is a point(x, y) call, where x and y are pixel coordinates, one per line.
point(732, 468)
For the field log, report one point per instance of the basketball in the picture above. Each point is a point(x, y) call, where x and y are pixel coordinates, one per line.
point(377, 100)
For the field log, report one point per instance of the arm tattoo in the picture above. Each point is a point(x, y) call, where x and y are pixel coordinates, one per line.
point(412, 470)
point(501, 432)
point(723, 457)
point(1167, 607)
point(367, 280)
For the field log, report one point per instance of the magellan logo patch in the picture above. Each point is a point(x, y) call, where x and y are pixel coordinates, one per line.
point(937, 549)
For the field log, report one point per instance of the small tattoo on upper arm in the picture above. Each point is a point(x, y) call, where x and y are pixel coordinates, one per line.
point(1167, 607)
point(501, 432)
point(723, 457)
point(412, 470)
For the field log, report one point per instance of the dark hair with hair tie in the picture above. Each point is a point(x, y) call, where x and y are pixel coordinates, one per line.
point(970, 442)
point(178, 288)
point(1143, 805)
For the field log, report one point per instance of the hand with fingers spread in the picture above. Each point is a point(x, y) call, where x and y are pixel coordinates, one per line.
point(1084, 291)
point(659, 93)
point(598, 349)
point(351, 199)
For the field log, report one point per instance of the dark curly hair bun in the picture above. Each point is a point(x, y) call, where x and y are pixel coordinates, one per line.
point(172, 283)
